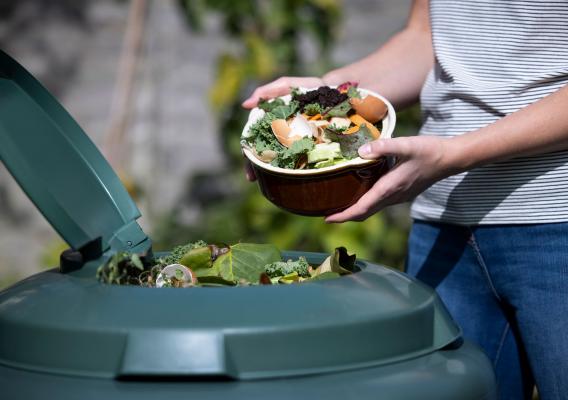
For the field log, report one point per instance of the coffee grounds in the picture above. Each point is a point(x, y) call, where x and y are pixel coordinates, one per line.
point(324, 96)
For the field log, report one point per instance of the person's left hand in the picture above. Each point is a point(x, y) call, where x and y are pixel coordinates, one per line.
point(421, 161)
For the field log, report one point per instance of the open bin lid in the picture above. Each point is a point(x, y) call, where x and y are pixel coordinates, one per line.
point(60, 168)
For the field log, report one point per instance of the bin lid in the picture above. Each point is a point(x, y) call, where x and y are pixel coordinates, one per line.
point(61, 170)
point(71, 324)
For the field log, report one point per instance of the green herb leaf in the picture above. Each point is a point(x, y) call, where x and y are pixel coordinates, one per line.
point(245, 261)
point(285, 111)
point(135, 260)
point(289, 157)
point(268, 106)
point(339, 110)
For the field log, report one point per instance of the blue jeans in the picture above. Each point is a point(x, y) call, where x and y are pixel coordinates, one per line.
point(507, 286)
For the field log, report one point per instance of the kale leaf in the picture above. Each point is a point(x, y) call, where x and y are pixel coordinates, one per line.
point(179, 251)
point(290, 157)
point(268, 106)
point(284, 111)
point(350, 143)
point(340, 110)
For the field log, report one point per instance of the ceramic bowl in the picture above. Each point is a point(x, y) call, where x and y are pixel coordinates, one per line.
point(324, 191)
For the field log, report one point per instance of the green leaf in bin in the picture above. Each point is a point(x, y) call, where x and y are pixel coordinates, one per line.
point(229, 265)
point(135, 260)
point(246, 261)
point(340, 262)
point(290, 278)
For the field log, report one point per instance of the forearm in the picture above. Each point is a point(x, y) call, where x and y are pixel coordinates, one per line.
point(397, 69)
point(541, 127)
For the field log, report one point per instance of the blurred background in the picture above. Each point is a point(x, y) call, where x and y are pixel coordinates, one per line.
point(157, 85)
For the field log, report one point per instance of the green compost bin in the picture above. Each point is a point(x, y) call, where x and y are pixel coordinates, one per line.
point(377, 334)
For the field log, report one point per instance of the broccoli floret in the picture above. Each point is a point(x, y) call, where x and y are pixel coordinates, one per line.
point(313, 109)
point(179, 251)
point(281, 268)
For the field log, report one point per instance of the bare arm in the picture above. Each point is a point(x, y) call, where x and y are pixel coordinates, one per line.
point(541, 127)
point(396, 70)
point(538, 128)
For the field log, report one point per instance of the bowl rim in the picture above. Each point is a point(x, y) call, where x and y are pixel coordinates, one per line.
point(390, 117)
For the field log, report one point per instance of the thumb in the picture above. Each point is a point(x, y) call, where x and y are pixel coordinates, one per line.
point(384, 147)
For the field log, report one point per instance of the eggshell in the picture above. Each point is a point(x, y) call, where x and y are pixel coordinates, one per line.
point(255, 115)
point(283, 132)
point(300, 126)
point(370, 108)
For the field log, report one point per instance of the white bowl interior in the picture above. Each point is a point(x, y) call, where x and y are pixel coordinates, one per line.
point(388, 124)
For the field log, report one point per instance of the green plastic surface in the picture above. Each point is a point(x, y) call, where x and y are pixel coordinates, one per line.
point(72, 324)
point(458, 374)
point(60, 168)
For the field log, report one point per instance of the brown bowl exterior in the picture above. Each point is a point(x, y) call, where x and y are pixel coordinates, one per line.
point(319, 194)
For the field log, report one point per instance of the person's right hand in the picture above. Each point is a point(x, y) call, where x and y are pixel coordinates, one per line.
point(281, 87)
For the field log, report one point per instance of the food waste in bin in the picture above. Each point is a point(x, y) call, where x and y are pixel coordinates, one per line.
point(201, 264)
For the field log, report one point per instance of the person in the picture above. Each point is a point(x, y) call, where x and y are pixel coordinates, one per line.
point(488, 172)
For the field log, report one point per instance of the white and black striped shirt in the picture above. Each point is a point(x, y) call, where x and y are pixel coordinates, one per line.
point(494, 57)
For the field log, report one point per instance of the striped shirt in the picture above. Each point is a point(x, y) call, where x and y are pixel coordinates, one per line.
point(494, 57)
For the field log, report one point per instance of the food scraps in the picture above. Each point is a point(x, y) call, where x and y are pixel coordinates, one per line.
point(202, 264)
point(314, 129)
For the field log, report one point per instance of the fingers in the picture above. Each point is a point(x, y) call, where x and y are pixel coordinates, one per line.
point(249, 172)
point(279, 87)
point(381, 195)
point(367, 205)
point(399, 147)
